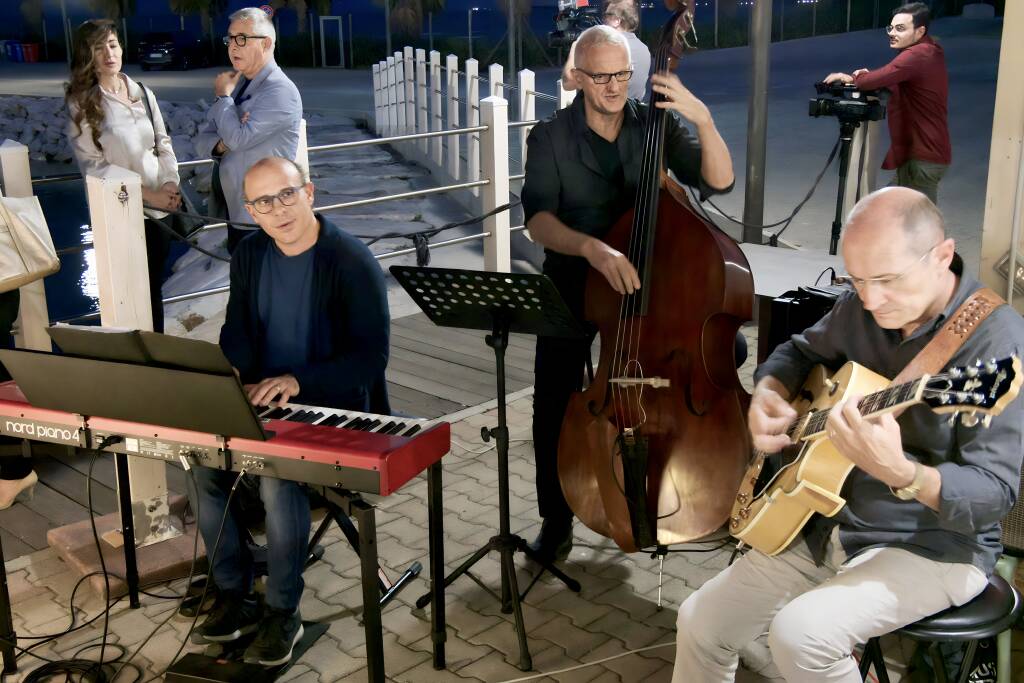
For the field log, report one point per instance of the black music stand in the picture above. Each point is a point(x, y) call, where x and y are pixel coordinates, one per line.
point(501, 303)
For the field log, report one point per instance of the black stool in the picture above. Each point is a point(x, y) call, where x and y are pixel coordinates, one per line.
point(996, 609)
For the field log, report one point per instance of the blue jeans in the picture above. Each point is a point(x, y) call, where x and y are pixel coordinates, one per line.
point(287, 536)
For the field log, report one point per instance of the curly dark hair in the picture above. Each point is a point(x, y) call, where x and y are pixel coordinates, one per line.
point(82, 90)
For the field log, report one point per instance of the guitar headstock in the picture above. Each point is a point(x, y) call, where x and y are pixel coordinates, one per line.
point(984, 388)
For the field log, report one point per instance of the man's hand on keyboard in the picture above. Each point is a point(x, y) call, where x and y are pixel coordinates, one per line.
point(281, 388)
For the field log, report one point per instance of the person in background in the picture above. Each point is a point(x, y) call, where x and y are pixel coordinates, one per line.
point(257, 113)
point(110, 125)
point(17, 478)
point(621, 15)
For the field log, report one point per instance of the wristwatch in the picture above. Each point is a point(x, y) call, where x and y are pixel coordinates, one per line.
point(910, 491)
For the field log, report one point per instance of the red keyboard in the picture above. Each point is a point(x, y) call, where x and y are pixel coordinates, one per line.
point(321, 446)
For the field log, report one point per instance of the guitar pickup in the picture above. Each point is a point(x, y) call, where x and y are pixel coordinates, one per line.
point(653, 382)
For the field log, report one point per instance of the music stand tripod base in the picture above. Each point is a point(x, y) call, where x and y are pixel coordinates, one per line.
point(501, 303)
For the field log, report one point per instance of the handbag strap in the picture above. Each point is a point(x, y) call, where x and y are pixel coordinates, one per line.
point(960, 326)
point(149, 112)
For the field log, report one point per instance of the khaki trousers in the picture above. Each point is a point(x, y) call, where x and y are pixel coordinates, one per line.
point(813, 616)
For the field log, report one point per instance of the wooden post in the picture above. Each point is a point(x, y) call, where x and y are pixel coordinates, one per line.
point(496, 74)
point(527, 110)
point(376, 99)
point(565, 97)
point(115, 211)
point(452, 72)
point(494, 142)
point(473, 119)
point(437, 119)
point(422, 124)
point(33, 315)
point(392, 99)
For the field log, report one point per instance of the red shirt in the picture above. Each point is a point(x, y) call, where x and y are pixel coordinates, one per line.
point(917, 110)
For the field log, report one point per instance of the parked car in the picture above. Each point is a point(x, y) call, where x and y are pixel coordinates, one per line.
point(178, 49)
point(573, 18)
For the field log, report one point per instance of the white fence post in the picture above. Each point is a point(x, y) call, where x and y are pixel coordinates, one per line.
point(494, 142)
point(435, 108)
point(565, 97)
point(115, 211)
point(376, 99)
point(33, 315)
point(302, 149)
point(473, 119)
point(527, 110)
point(392, 125)
point(400, 94)
point(452, 71)
point(410, 94)
point(495, 76)
point(422, 124)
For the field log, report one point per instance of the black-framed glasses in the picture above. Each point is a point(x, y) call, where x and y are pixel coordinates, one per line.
point(265, 204)
point(602, 79)
point(896, 28)
point(239, 39)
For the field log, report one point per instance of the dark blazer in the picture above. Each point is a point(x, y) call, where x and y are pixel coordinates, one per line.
point(350, 330)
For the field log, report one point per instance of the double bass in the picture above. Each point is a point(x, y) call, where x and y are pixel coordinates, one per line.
point(652, 452)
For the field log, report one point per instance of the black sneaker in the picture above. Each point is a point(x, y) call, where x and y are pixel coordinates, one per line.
point(554, 542)
point(279, 631)
point(232, 617)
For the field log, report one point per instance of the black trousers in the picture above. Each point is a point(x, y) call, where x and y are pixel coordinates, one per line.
point(11, 466)
point(158, 246)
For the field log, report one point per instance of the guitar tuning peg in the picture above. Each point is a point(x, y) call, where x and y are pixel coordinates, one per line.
point(986, 421)
point(972, 370)
point(991, 365)
point(969, 419)
point(952, 419)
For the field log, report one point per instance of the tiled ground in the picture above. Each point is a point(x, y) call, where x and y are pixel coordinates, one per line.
point(615, 613)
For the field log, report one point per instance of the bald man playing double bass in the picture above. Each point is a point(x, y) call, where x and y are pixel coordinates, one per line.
point(582, 170)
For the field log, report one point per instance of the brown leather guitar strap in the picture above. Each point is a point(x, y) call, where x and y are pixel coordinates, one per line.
point(955, 331)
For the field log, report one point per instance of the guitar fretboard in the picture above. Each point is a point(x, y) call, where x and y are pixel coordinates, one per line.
point(877, 402)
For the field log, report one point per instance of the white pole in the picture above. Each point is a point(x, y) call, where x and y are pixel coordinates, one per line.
point(377, 114)
point(302, 150)
point(33, 315)
point(437, 121)
point(452, 71)
point(527, 110)
point(422, 124)
point(402, 128)
point(494, 140)
point(118, 233)
point(410, 92)
point(565, 97)
point(496, 74)
point(473, 119)
point(469, 31)
point(392, 99)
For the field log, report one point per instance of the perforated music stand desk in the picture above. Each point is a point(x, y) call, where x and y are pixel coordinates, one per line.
point(501, 303)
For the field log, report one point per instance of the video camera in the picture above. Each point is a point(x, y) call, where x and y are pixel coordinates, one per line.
point(573, 18)
point(847, 103)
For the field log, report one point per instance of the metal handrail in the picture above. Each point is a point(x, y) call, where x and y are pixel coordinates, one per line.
point(380, 257)
point(523, 124)
point(397, 138)
point(403, 195)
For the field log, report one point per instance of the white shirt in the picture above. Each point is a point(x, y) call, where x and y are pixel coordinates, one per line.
point(127, 139)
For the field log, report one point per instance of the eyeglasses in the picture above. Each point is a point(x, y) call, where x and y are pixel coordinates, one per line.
point(265, 204)
point(897, 28)
point(601, 79)
point(885, 280)
point(239, 39)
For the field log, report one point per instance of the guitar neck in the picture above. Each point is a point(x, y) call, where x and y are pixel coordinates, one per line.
point(892, 398)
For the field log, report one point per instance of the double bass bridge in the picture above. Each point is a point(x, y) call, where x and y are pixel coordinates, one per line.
point(653, 382)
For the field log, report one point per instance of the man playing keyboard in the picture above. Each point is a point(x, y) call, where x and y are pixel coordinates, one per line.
point(307, 318)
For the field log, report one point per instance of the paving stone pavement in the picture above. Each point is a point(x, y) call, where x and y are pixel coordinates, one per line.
point(617, 611)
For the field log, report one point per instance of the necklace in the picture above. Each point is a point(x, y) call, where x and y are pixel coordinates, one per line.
point(116, 90)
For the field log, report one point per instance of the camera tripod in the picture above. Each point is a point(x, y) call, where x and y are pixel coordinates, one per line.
point(847, 128)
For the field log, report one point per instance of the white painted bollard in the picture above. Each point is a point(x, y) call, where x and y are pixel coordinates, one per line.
point(400, 94)
point(452, 73)
point(118, 235)
point(494, 143)
point(473, 119)
point(437, 119)
point(422, 124)
point(377, 118)
point(496, 76)
point(33, 315)
point(302, 149)
point(410, 92)
point(527, 109)
point(565, 97)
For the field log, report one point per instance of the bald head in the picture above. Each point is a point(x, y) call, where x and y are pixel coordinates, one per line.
point(895, 211)
point(597, 37)
point(274, 166)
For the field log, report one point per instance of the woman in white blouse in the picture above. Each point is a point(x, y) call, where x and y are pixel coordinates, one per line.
point(110, 125)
